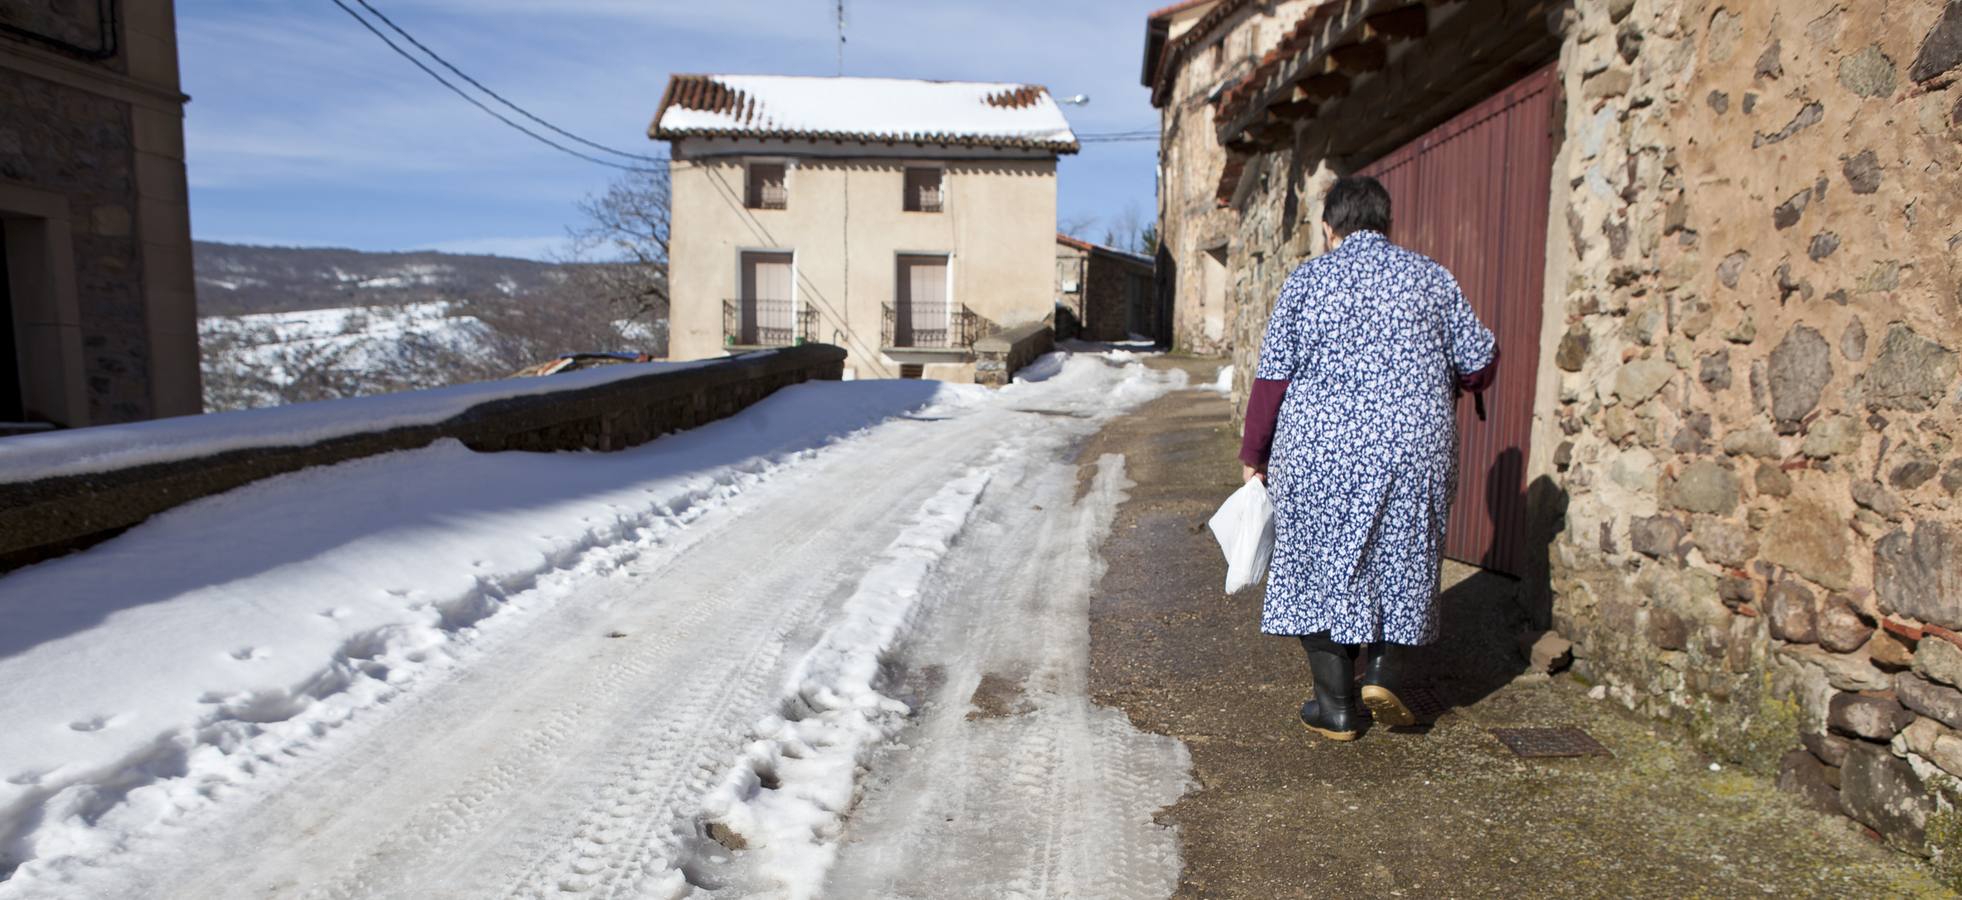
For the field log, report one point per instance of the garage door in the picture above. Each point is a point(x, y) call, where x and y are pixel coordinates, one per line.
point(1473, 194)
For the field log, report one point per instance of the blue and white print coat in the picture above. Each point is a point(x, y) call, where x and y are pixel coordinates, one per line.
point(1370, 338)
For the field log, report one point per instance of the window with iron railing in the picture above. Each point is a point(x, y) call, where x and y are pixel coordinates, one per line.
point(932, 326)
point(755, 322)
point(923, 189)
point(767, 188)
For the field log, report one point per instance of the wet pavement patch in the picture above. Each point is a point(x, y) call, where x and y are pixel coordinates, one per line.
point(1444, 811)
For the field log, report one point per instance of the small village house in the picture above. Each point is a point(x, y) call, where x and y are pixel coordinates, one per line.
point(902, 220)
point(98, 313)
point(1108, 292)
point(1718, 245)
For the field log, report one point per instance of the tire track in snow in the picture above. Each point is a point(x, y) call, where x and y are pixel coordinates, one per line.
point(1072, 814)
point(487, 832)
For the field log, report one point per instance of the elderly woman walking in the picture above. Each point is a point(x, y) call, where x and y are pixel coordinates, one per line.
point(1351, 422)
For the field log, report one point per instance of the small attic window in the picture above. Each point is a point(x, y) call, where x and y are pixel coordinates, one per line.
point(923, 189)
point(766, 188)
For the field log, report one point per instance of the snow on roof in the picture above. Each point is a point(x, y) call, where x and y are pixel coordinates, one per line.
point(887, 110)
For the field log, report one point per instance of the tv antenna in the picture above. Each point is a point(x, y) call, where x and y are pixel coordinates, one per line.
point(841, 37)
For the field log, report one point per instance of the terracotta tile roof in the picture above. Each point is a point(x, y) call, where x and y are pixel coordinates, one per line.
point(1293, 42)
point(875, 110)
point(1089, 247)
point(1176, 8)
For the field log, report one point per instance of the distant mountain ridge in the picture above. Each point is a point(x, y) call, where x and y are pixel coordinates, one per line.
point(241, 279)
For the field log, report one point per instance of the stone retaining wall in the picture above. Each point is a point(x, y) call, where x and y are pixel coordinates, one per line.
point(999, 356)
point(52, 516)
point(1751, 403)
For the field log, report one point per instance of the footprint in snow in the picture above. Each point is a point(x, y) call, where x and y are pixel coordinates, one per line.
point(92, 723)
point(248, 654)
point(28, 778)
point(338, 612)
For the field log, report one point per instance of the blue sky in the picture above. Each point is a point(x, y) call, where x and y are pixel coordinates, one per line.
point(303, 129)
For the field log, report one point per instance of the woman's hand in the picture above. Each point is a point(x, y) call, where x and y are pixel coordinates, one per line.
point(1249, 473)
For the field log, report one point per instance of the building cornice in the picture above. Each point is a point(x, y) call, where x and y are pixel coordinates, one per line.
point(48, 65)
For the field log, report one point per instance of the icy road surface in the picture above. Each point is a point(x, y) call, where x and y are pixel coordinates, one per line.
point(801, 656)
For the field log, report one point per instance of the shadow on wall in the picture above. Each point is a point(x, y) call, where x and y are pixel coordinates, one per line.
point(1482, 617)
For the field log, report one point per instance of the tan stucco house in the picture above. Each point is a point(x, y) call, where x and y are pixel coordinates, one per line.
point(899, 219)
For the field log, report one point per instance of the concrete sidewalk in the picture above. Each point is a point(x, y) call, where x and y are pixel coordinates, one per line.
point(1441, 812)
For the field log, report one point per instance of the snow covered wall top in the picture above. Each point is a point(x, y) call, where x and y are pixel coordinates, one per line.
point(889, 110)
point(65, 489)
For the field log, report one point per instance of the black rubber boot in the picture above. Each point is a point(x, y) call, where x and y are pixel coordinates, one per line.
point(1332, 711)
point(1381, 684)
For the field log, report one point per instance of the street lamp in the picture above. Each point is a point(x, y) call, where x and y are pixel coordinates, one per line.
point(1074, 100)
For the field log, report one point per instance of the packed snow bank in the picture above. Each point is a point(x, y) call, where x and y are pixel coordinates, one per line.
point(789, 793)
point(146, 676)
point(784, 802)
point(83, 450)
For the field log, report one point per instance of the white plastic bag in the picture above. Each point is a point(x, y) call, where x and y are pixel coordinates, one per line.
point(1244, 527)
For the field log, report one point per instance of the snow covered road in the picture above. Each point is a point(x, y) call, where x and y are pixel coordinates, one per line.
point(783, 655)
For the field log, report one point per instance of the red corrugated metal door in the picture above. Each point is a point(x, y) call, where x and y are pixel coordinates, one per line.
point(1473, 194)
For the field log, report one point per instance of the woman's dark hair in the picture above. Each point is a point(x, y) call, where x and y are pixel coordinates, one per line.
point(1357, 203)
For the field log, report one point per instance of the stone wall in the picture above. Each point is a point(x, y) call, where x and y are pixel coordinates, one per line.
point(1192, 220)
point(46, 518)
point(1754, 408)
point(77, 143)
point(93, 189)
point(1747, 404)
point(1000, 355)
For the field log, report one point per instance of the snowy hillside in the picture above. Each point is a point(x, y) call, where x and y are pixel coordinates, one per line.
point(235, 279)
point(257, 360)
point(288, 325)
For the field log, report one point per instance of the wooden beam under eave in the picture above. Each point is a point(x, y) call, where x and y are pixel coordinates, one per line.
point(1294, 110)
point(1356, 59)
point(1318, 88)
point(1401, 24)
point(1273, 134)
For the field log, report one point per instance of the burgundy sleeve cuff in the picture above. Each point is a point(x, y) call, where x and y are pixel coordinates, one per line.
point(1481, 379)
point(1263, 411)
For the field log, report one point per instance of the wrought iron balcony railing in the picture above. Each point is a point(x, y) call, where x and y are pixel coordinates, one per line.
point(930, 326)
point(766, 323)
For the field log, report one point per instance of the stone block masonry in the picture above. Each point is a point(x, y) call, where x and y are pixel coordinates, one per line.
point(999, 356)
point(49, 517)
point(1759, 281)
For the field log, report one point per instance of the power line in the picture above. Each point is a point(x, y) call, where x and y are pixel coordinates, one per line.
point(1111, 136)
point(495, 95)
point(480, 105)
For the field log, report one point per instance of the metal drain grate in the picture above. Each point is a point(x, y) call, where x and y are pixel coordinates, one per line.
point(1423, 703)
point(1535, 743)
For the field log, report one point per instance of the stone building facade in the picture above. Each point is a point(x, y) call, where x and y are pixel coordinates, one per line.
point(1108, 292)
point(1741, 460)
point(101, 319)
point(1192, 51)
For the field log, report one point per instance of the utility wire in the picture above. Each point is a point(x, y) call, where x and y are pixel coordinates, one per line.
point(480, 105)
point(495, 95)
point(1111, 136)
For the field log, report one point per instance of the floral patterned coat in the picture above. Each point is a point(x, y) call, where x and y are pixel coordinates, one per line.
point(1370, 339)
